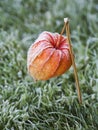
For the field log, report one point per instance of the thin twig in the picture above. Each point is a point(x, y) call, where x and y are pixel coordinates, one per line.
point(58, 42)
point(73, 61)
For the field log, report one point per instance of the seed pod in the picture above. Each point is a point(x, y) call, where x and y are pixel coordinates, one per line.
point(49, 56)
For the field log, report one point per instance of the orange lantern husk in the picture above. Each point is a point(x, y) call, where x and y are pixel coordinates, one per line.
point(46, 58)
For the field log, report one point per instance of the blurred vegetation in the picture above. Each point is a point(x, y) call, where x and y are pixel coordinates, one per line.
point(50, 105)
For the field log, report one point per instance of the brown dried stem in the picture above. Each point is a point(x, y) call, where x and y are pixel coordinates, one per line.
point(73, 61)
point(58, 42)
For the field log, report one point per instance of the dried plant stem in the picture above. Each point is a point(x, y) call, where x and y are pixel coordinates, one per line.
point(73, 61)
point(66, 25)
point(58, 42)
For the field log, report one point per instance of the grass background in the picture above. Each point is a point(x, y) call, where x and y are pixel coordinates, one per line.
point(52, 104)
